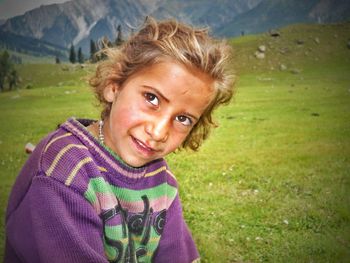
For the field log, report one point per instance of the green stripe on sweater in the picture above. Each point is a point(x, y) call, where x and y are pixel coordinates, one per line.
point(99, 185)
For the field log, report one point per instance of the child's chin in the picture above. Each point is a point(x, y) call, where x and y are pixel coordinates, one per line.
point(135, 162)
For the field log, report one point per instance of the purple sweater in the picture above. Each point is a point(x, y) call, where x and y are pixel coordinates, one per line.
point(74, 201)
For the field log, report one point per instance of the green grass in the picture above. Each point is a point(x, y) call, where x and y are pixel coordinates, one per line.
point(272, 182)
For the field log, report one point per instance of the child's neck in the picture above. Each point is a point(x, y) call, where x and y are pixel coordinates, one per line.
point(94, 130)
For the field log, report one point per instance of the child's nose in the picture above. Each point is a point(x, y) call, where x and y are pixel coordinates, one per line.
point(158, 129)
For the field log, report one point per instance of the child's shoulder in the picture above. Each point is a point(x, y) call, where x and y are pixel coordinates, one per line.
point(65, 155)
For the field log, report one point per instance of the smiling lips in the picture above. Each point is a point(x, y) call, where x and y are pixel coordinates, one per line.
point(143, 147)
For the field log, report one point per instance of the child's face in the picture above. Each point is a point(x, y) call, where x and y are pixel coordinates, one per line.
point(154, 111)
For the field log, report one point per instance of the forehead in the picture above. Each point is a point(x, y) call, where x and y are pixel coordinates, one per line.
point(175, 79)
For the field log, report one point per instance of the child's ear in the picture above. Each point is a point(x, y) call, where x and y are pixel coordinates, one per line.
point(110, 92)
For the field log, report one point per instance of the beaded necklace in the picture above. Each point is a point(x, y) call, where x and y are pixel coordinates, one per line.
point(100, 132)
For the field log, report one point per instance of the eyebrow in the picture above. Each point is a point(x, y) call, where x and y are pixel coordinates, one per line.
point(157, 92)
point(192, 116)
point(167, 100)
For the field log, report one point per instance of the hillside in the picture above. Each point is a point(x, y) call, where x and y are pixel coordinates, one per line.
point(31, 46)
point(271, 14)
point(297, 48)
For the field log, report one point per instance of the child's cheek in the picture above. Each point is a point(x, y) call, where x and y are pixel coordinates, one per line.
point(129, 116)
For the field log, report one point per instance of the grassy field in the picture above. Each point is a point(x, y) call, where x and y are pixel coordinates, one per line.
point(272, 182)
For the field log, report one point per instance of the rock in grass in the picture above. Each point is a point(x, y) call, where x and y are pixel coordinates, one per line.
point(262, 48)
point(295, 71)
point(300, 42)
point(274, 33)
point(259, 55)
point(283, 67)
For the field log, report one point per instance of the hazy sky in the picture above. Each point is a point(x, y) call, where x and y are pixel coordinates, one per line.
point(10, 8)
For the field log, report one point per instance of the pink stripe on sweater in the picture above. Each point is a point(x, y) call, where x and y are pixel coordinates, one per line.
point(107, 201)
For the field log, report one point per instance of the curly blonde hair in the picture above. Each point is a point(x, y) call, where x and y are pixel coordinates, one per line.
point(159, 40)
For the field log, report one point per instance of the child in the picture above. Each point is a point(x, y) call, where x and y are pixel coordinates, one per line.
point(100, 191)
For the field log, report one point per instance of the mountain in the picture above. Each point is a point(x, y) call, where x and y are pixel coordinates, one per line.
point(272, 14)
point(78, 21)
point(74, 22)
point(214, 14)
point(31, 46)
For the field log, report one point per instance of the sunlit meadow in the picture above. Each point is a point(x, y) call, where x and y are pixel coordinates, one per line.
point(272, 182)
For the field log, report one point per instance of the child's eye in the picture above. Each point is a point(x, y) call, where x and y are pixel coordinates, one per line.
point(184, 120)
point(151, 98)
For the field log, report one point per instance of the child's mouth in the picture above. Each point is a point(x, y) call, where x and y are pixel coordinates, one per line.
point(143, 147)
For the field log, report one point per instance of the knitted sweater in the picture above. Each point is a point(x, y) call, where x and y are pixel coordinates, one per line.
point(74, 201)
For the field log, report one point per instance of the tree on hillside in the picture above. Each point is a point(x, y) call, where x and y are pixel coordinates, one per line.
point(5, 68)
point(13, 79)
point(119, 39)
point(72, 55)
point(93, 50)
point(80, 56)
point(7, 71)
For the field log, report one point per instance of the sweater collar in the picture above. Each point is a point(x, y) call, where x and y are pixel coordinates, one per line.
point(104, 154)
